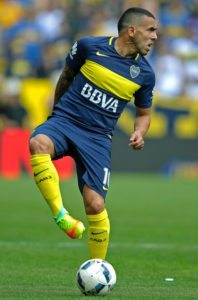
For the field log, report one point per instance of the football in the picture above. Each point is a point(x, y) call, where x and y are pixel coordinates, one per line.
point(96, 277)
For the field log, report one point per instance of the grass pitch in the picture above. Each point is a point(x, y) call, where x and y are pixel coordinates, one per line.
point(153, 237)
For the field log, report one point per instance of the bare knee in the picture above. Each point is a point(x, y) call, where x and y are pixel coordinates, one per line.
point(93, 202)
point(41, 144)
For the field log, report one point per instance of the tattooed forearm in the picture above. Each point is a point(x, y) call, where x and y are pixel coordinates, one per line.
point(63, 83)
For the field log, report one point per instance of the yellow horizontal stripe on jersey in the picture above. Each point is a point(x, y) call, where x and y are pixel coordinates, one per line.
point(108, 80)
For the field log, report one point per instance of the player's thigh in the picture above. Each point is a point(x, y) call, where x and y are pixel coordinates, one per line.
point(53, 131)
point(93, 162)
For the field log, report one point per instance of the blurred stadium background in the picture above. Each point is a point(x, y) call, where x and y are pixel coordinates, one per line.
point(158, 214)
point(35, 37)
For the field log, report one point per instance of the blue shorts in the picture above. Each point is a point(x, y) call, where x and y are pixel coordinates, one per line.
point(90, 150)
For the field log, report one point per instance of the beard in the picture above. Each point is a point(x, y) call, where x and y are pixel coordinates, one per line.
point(138, 45)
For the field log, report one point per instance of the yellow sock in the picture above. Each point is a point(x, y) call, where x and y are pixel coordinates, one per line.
point(47, 180)
point(98, 234)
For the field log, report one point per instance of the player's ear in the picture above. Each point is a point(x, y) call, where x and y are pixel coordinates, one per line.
point(131, 30)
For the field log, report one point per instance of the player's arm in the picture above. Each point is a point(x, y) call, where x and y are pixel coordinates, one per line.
point(143, 103)
point(73, 62)
point(141, 126)
point(63, 83)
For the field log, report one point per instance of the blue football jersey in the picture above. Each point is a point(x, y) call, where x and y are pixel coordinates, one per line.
point(104, 83)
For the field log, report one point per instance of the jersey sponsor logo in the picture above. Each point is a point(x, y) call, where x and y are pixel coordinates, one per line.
point(99, 98)
point(73, 50)
point(134, 71)
point(101, 54)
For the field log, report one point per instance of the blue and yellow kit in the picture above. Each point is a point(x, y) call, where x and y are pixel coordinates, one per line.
point(83, 120)
point(104, 84)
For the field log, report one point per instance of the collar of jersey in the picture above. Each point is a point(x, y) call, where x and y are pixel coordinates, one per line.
point(112, 40)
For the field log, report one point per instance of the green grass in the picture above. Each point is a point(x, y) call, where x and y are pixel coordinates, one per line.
point(153, 236)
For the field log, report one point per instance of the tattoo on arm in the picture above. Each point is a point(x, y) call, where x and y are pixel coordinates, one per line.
point(63, 83)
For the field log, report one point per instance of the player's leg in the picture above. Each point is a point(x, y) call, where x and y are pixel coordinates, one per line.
point(98, 223)
point(47, 179)
point(92, 156)
point(44, 172)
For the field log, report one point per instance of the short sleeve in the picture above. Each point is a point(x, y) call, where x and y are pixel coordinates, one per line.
point(77, 55)
point(144, 96)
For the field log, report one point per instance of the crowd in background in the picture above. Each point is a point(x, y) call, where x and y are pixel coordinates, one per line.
point(35, 37)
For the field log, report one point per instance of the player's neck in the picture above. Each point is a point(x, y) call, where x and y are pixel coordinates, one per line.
point(124, 48)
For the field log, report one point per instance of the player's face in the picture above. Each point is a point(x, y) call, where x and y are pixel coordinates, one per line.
point(145, 35)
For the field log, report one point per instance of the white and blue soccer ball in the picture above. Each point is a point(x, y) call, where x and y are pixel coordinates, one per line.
point(96, 277)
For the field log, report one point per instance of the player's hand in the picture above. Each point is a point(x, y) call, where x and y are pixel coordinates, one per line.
point(136, 141)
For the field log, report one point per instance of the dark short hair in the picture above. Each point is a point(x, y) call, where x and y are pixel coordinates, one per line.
point(132, 15)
